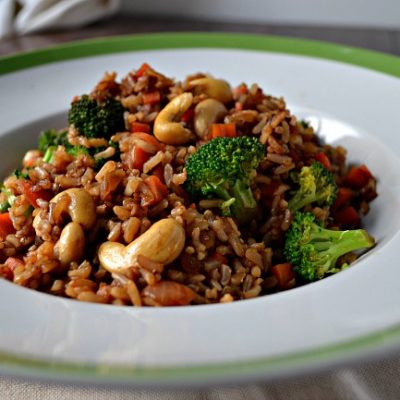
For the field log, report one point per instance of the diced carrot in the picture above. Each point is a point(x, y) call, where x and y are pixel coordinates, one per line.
point(344, 195)
point(26, 187)
point(150, 139)
point(13, 262)
point(158, 171)
point(6, 272)
point(158, 189)
point(223, 130)
point(324, 160)
point(348, 217)
point(219, 257)
point(142, 70)
point(139, 157)
point(187, 115)
point(140, 127)
point(358, 177)
point(284, 274)
point(241, 89)
point(151, 97)
point(6, 225)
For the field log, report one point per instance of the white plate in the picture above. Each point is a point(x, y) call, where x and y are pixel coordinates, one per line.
point(332, 321)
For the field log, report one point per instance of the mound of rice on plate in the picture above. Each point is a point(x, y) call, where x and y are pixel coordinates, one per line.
point(122, 208)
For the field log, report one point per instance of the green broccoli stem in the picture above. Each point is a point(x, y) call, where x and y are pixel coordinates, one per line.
point(337, 243)
point(245, 207)
point(300, 200)
point(297, 202)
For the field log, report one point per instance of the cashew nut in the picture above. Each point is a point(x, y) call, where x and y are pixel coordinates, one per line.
point(79, 204)
point(71, 244)
point(215, 88)
point(166, 129)
point(161, 243)
point(206, 113)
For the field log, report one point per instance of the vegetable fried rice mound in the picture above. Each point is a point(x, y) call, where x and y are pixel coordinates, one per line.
point(164, 193)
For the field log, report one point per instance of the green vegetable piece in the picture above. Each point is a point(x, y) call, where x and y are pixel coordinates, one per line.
point(314, 250)
point(316, 184)
point(49, 154)
point(76, 151)
point(225, 168)
point(52, 137)
point(4, 206)
point(92, 119)
point(20, 175)
point(10, 198)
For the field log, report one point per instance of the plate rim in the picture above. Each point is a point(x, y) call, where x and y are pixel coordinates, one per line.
point(374, 60)
point(374, 344)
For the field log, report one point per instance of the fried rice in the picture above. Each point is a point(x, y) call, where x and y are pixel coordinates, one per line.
point(221, 261)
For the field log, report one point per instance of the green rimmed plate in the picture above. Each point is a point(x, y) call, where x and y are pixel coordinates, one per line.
point(341, 319)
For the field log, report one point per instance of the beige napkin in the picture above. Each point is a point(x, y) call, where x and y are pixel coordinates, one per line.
point(25, 16)
point(374, 381)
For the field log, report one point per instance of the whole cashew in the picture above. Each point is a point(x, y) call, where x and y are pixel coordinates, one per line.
point(166, 127)
point(71, 244)
point(79, 205)
point(163, 242)
point(215, 88)
point(206, 113)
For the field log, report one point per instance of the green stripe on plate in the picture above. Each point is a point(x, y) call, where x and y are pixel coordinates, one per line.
point(366, 346)
point(366, 58)
point(376, 343)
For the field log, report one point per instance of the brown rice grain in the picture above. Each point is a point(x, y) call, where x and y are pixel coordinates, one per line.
point(115, 232)
point(133, 293)
point(119, 292)
point(107, 153)
point(90, 297)
point(226, 274)
point(211, 293)
point(121, 212)
point(108, 167)
point(216, 284)
point(149, 265)
point(226, 298)
point(253, 292)
point(234, 241)
point(254, 256)
point(153, 162)
point(57, 285)
point(130, 229)
point(256, 272)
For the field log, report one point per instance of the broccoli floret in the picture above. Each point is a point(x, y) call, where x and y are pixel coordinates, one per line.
point(51, 137)
point(317, 184)
point(314, 250)
point(92, 119)
point(224, 168)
